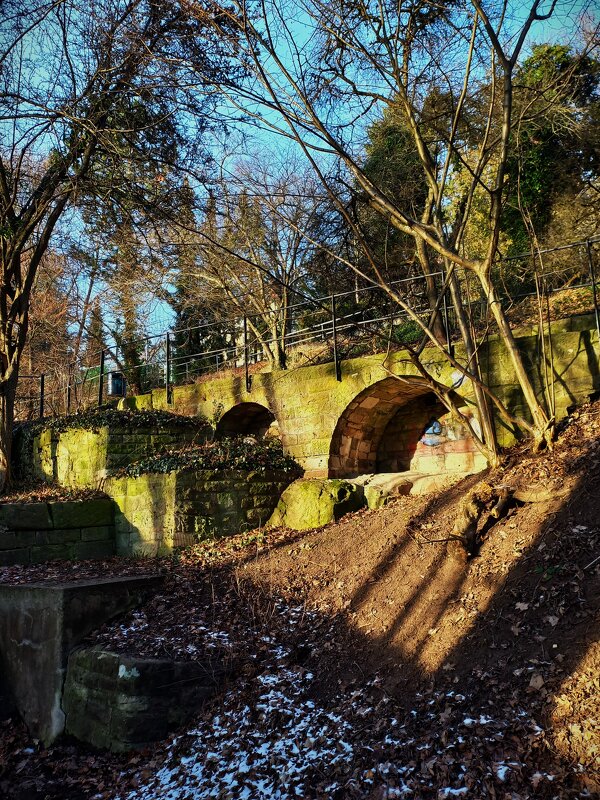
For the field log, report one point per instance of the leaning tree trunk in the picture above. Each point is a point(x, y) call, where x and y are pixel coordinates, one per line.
point(7, 416)
point(543, 424)
point(486, 419)
point(438, 328)
point(279, 344)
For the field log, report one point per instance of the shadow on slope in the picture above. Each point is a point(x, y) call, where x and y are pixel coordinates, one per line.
point(516, 625)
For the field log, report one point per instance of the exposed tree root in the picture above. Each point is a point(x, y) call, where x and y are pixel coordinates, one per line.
point(482, 508)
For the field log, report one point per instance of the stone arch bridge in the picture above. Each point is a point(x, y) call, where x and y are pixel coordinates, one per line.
point(380, 417)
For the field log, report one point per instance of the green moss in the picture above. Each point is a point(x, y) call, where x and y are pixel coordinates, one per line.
point(312, 503)
point(113, 418)
point(75, 450)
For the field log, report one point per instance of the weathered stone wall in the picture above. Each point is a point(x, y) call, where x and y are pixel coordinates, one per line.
point(40, 624)
point(35, 532)
point(156, 512)
point(423, 437)
point(308, 402)
point(123, 702)
point(81, 458)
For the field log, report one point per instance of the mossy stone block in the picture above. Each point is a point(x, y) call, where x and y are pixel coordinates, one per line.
point(122, 702)
point(99, 533)
point(312, 503)
point(9, 540)
point(82, 513)
point(226, 500)
point(25, 516)
point(64, 536)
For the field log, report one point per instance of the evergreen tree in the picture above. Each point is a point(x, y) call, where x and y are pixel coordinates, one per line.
point(557, 144)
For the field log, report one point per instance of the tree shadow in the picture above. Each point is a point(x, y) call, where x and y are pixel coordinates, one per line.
point(523, 612)
point(427, 601)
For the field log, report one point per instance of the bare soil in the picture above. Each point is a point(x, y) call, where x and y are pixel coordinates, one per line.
point(496, 656)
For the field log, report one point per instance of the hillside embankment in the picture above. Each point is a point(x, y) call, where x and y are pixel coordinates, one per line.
point(371, 660)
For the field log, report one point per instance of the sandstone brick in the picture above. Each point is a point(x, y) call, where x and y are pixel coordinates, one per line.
point(10, 540)
point(98, 533)
point(25, 516)
point(50, 552)
point(77, 514)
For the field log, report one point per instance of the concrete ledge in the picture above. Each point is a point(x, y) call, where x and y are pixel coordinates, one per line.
point(40, 624)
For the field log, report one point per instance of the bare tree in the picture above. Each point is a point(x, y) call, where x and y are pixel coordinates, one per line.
point(448, 68)
point(86, 97)
point(49, 342)
point(254, 249)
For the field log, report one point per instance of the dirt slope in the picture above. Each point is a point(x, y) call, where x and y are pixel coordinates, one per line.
point(521, 618)
point(485, 671)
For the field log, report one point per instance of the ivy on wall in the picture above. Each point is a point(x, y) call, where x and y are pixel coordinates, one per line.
point(240, 453)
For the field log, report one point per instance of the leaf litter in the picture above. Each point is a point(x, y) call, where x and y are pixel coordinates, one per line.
point(490, 691)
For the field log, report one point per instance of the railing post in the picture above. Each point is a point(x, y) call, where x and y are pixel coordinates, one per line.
point(168, 387)
point(42, 387)
point(101, 378)
point(246, 365)
point(588, 246)
point(336, 360)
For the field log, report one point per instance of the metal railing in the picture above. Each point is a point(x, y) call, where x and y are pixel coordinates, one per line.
point(537, 287)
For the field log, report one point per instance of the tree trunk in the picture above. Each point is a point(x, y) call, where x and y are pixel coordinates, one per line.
point(7, 415)
point(438, 328)
point(278, 342)
point(486, 419)
point(281, 357)
point(543, 424)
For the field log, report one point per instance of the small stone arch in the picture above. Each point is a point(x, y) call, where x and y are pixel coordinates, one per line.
point(395, 426)
point(250, 419)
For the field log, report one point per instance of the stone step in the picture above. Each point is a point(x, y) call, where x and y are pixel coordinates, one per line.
point(40, 623)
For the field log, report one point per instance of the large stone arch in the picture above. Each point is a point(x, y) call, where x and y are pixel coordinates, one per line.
point(399, 425)
point(252, 419)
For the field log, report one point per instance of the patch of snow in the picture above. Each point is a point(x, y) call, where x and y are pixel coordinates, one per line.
point(444, 794)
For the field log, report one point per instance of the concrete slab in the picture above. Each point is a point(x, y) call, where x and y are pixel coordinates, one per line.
point(40, 623)
point(380, 488)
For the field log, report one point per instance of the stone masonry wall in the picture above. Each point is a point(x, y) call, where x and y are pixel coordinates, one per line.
point(308, 401)
point(124, 702)
point(413, 441)
point(81, 458)
point(37, 532)
point(156, 512)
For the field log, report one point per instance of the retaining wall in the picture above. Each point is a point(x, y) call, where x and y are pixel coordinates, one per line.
point(83, 457)
point(156, 512)
point(35, 532)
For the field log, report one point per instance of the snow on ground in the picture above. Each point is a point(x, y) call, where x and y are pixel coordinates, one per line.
point(273, 741)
